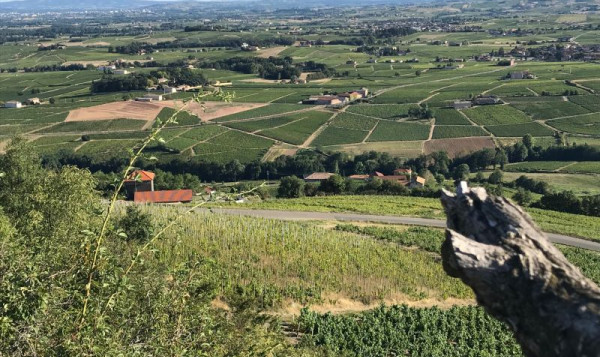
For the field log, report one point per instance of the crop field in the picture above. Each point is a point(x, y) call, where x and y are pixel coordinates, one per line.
point(458, 146)
point(256, 125)
point(514, 130)
point(549, 110)
point(106, 147)
point(232, 145)
point(457, 131)
point(537, 166)
point(355, 122)
point(449, 117)
point(382, 111)
point(583, 124)
point(268, 110)
point(335, 136)
point(589, 102)
point(95, 126)
point(584, 167)
point(496, 115)
point(183, 118)
point(392, 131)
point(298, 131)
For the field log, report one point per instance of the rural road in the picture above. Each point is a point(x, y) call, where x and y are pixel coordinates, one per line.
point(357, 217)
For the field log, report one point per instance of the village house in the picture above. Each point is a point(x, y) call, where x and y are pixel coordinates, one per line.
point(156, 97)
point(13, 104)
point(111, 67)
point(323, 100)
point(521, 75)
point(318, 177)
point(359, 177)
point(139, 180)
point(486, 100)
point(167, 196)
point(462, 104)
point(33, 101)
point(139, 187)
point(169, 90)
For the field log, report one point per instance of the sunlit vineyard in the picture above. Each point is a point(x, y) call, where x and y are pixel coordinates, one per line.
point(405, 331)
point(272, 260)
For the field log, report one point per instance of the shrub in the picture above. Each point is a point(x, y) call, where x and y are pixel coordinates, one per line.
point(136, 225)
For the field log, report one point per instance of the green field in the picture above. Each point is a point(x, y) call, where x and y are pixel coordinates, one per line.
point(549, 110)
point(335, 136)
point(515, 130)
point(457, 131)
point(270, 109)
point(583, 124)
point(95, 126)
point(496, 115)
point(391, 131)
point(355, 122)
point(299, 130)
point(390, 111)
point(449, 117)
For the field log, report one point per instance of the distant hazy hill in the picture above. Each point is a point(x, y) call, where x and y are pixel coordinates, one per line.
point(33, 5)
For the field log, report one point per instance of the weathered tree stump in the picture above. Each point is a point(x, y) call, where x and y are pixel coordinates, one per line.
point(519, 277)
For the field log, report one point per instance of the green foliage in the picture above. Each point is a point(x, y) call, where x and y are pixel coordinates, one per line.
point(136, 225)
point(449, 117)
point(424, 238)
point(517, 130)
point(496, 115)
point(392, 131)
point(457, 131)
point(396, 330)
point(290, 187)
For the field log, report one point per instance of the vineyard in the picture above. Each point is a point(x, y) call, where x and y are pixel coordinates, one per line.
point(389, 111)
point(449, 117)
point(583, 124)
point(550, 221)
point(457, 131)
point(518, 130)
point(496, 115)
point(392, 131)
point(405, 331)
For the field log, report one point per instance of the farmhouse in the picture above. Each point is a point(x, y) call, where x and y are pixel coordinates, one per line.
point(111, 67)
point(318, 176)
point(521, 75)
point(168, 196)
point(359, 177)
point(486, 100)
point(13, 104)
point(323, 100)
point(33, 101)
point(462, 104)
point(169, 90)
point(157, 97)
point(139, 181)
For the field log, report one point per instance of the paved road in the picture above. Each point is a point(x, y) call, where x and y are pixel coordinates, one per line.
point(357, 217)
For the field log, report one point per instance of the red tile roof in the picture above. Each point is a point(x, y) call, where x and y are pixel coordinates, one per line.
point(359, 177)
point(170, 196)
point(142, 175)
point(378, 174)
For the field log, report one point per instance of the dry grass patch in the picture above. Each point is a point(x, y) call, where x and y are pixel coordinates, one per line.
point(458, 146)
point(117, 110)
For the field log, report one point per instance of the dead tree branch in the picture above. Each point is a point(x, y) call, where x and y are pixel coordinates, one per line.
point(519, 277)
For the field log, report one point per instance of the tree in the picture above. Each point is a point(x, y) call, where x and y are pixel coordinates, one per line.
point(52, 100)
point(496, 177)
point(522, 197)
point(136, 224)
point(500, 159)
point(565, 201)
point(290, 187)
point(461, 172)
point(418, 73)
point(335, 184)
point(528, 141)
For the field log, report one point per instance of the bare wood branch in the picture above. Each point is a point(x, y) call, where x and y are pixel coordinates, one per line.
point(519, 277)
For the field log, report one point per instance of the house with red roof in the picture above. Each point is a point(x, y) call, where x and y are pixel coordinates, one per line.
point(139, 181)
point(168, 196)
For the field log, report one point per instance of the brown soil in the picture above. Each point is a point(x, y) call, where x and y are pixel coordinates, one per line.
point(117, 110)
point(273, 51)
point(337, 304)
point(213, 110)
point(458, 146)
